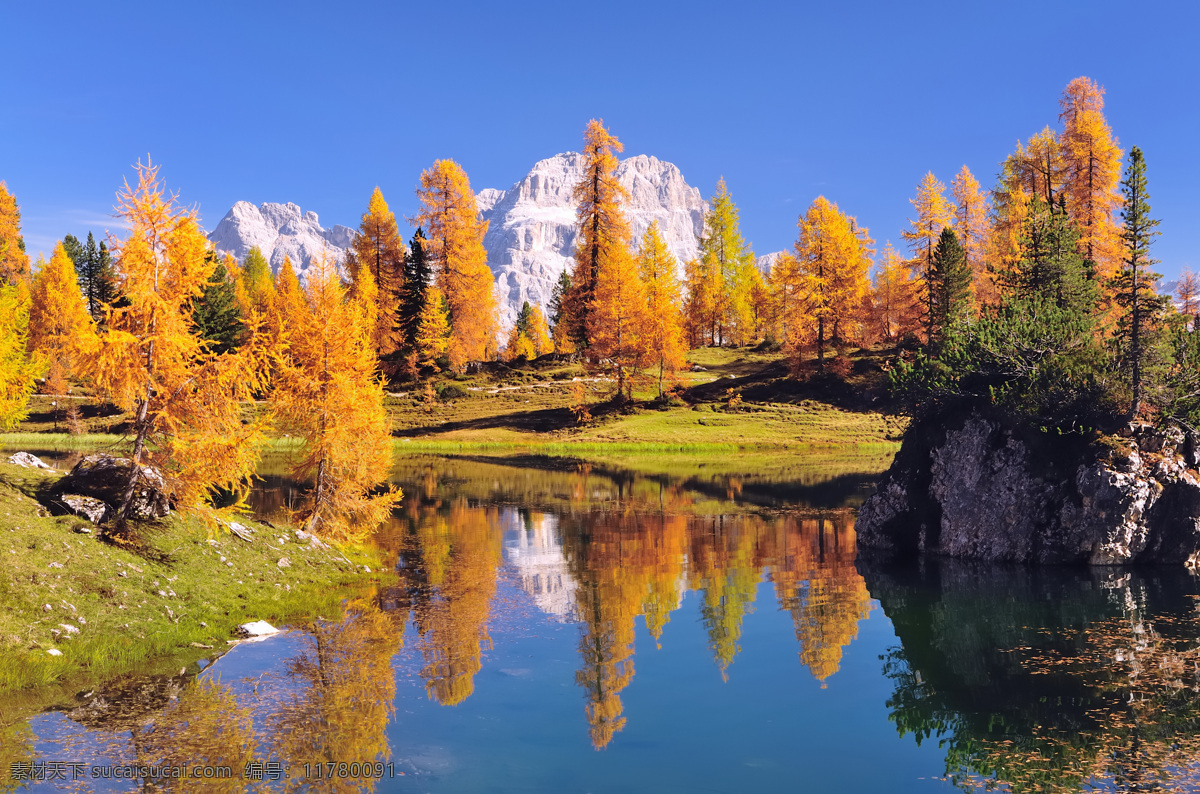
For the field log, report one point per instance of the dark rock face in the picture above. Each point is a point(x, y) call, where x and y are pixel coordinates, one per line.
point(977, 488)
point(104, 477)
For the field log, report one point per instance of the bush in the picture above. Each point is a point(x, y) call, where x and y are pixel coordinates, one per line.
point(451, 391)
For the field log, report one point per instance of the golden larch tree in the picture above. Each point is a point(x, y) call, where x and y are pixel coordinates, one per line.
point(184, 399)
point(1042, 167)
point(664, 326)
point(1187, 292)
point(617, 324)
point(455, 253)
point(833, 256)
point(14, 263)
point(18, 367)
point(972, 224)
point(700, 302)
point(328, 392)
point(893, 296)
point(539, 332)
point(934, 213)
point(59, 323)
point(378, 250)
point(433, 329)
point(1010, 208)
point(1092, 172)
point(603, 230)
point(730, 265)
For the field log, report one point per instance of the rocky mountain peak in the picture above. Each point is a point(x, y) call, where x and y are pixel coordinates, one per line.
point(279, 230)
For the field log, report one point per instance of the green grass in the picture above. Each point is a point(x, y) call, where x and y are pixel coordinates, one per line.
point(111, 593)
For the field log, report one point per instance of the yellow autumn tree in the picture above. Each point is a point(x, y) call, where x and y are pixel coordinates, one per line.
point(184, 399)
point(1010, 208)
point(455, 252)
point(254, 284)
point(1092, 165)
point(14, 263)
point(893, 296)
point(603, 230)
point(539, 332)
point(699, 304)
point(934, 213)
point(433, 329)
point(729, 267)
point(329, 394)
point(783, 283)
point(617, 324)
point(974, 231)
point(59, 324)
point(378, 250)
point(833, 257)
point(18, 367)
point(660, 279)
point(289, 297)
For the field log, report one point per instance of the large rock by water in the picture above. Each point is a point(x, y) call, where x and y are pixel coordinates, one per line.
point(976, 487)
point(104, 478)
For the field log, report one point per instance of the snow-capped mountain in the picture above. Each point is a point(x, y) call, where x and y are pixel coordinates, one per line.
point(531, 232)
point(279, 230)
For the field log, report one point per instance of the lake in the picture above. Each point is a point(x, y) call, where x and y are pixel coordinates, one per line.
point(563, 626)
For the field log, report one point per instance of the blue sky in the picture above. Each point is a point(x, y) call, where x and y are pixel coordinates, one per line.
point(318, 103)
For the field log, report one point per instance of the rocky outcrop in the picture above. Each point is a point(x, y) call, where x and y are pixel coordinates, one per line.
point(531, 231)
point(279, 230)
point(977, 487)
point(103, 478)
point(28, 461)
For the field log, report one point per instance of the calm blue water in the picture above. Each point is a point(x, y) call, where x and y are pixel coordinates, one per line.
point(583, 631)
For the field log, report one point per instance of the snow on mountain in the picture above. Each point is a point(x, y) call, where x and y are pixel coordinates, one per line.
point(279, 230)
point(767, 261)
point(531, 233)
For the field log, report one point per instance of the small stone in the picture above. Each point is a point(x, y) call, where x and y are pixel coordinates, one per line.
point(161, 593)
point(284, 562)
point(203, 624)
point(55, 565)
point(46, 607)
point(222, 558)
point(54, 651)
point(69, 629)
point(123, 574)
point(229, 564)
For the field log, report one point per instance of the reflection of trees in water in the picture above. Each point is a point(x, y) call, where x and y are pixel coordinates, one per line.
point(1058, 686)
point(637, 564)
point(332, 704)
point(346, 696)
point(206, 727)
point(450, 570)
point(16, 747)
point(817, 582)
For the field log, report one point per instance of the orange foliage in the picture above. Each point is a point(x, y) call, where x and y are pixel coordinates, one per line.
point(59, 323)
point(328, 393)
point(185, 400)
point(14, 263)
point(455, 252)
point(664, 332)
point(378, 251)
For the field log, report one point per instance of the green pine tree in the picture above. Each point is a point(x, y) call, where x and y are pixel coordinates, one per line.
point(1133, 286)
point(561, 288)
point(97, 277)
point(950, 292)
point(1051, 266)
point(524, 319)
point(216, 314)
point(74, 249)
point(417, 275)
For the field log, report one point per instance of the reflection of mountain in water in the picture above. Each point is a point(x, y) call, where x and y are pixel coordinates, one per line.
point(1047, 679)
point(534, 549)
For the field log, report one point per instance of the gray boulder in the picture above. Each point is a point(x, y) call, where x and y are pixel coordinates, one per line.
point(976, 487)
point(88, 507)
point(105, 478)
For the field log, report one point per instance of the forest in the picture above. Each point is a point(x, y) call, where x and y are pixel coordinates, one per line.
point(1036, 296)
